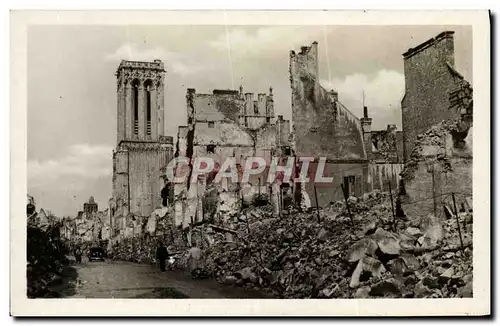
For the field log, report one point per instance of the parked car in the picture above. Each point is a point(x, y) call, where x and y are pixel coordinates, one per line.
point(96, 254)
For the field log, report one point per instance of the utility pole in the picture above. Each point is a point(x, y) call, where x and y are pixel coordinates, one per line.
point(392, 210)
point(458, 222)
point(347, 203)
point(317, 206)
point(430, 169)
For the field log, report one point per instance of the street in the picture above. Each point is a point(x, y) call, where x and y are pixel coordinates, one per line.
point(118, 279)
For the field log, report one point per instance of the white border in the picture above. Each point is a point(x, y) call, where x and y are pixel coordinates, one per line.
point(479, 305)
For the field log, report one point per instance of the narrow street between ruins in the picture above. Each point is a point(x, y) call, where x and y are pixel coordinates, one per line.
point(117, 279)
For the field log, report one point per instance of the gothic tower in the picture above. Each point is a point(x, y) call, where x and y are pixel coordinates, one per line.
point(142, 148)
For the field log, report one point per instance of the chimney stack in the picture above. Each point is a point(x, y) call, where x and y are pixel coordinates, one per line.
point(366, 124)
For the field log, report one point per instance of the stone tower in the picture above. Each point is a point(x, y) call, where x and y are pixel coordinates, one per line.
point(142, 148)
point(90, 207)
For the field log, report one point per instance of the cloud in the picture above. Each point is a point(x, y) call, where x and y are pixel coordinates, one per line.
point(80, 161)
point(264, 40)
point(179, 63)
point(132, 51)
point(383, 92)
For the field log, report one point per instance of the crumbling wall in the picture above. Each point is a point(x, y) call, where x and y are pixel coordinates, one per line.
point(214, 131)
point(322, 126)
point(384, 143)
point(440, 165)
point(217, 107)
point(429, 78)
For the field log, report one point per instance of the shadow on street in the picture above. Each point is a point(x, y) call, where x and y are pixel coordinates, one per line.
point(66, 286)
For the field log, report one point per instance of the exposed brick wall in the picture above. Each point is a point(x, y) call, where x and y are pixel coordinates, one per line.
point(429, 78)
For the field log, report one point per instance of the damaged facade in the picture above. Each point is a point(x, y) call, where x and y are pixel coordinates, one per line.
point(90, 224)
point(356, 157)
point(142, 147)
point(226, 124)
point(437, 117)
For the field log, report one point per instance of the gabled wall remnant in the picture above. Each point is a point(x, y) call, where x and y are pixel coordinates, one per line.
point(324, 127)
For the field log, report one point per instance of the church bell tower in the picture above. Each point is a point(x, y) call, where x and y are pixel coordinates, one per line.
point(142, 148)
point(140, 101)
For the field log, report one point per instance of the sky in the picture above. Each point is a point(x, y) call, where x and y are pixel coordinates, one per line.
point(72, 87)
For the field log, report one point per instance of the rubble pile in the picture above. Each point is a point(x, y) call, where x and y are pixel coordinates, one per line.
point(46, 261)
point(297, 255)
point(440, 141)
point(435, 137)
point(142, 249)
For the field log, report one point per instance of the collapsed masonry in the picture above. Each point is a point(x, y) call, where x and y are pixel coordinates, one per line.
point(326, 253)
point(357, 158)
point(227, 124)
point(233, 124)
point(426, 253)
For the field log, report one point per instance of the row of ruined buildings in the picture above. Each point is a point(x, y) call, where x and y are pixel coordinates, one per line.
point(238, 125)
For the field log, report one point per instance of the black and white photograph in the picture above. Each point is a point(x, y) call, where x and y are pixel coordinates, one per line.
point(293, 163)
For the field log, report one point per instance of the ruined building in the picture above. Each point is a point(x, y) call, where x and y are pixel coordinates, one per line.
point(142, 148)
point(91, 206)
point(357, 158)
point(437, 117)
point(430, 77)
point(89, 225)
point(221, 125)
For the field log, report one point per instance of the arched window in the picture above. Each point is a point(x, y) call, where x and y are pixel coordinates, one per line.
point(148, 88)
point(135, 104)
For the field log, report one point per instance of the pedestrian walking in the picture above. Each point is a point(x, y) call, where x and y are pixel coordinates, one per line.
point(162, 255)
point(195, 261)
point(78, 255)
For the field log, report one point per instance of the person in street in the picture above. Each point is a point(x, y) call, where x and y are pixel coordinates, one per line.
point(195, 260)
point(78, 255)
point(162, 255)
point(165, 194)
